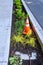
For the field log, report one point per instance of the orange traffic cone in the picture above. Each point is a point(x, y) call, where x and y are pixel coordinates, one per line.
point(27, 27)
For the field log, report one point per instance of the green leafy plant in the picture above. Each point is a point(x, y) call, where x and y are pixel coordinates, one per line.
point(15, 60)
point(19, 6)
point(17, 2)
point(20, 14)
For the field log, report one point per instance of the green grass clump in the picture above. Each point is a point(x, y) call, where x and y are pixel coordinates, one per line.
point(19, 25)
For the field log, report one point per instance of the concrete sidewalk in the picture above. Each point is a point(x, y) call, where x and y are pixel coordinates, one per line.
point(5, 29)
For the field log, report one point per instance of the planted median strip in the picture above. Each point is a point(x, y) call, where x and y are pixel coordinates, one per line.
point(23, 37)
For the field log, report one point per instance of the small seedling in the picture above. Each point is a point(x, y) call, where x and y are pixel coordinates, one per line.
point(15, 60)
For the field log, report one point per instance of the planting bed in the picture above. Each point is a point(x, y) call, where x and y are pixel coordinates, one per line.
point(29, 54)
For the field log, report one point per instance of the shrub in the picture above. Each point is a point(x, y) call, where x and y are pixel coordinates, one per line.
point(15, 60)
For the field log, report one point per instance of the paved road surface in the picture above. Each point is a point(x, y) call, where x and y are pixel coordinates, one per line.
point(5, 29)
point(36, 7)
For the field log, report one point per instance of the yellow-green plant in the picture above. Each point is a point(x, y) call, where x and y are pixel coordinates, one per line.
point(18, 39)
point(23, 40)
point(32, 41)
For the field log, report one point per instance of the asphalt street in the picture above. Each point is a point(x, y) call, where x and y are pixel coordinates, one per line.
point(36, 7)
